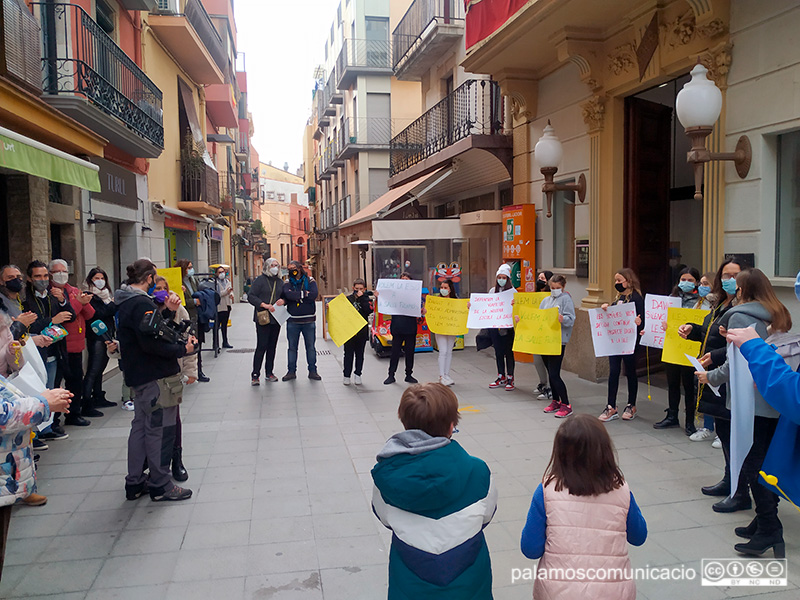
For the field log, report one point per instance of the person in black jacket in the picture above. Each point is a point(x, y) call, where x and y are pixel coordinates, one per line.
point(265, 294)
point(354, 347)
point(146, 359)
point(104, 310)
point(404, 339)
point(300, 294)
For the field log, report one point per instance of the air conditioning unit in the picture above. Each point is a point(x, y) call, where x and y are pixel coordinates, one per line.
point(169, 7)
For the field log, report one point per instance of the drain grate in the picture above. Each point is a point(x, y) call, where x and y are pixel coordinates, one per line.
point(323, 352)
point(241, 351)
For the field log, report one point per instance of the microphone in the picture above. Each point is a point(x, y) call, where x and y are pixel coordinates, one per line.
point(100, 330)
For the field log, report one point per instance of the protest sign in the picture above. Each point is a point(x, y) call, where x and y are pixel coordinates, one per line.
point(344, 321)
point(675, 347)
point(491, 311)
point(655, 314)
point(538, 332)
point(613, 330)
point(399, 297)
point(174, 281)
point(531, 299)
point(446, 316)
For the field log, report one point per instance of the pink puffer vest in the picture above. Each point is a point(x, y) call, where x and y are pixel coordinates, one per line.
point(586, 533)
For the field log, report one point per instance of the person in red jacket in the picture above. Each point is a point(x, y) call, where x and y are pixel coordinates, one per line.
point(76, 341)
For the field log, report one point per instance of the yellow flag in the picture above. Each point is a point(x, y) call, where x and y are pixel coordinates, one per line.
point(538, 332)
point(675, 347)
point(344, 321)
point(174, 281)
point(528, 299)
point(446, 316)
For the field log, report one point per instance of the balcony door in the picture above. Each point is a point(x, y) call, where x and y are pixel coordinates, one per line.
point(377, 42)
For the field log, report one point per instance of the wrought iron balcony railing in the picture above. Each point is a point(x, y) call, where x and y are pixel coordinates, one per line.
point(80, 59)
point(419, 16)
point(199, 184)
point(362, 56)
point(473, 108)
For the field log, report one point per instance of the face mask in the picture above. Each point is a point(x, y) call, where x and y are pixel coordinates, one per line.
point(190, 272)
point(14, 285)
point(151, 290)
point(556, 293)
point(221, 276)
point(408, 264)
point(502, 281)
point(273, 271)
point(620, 287)
point(444, 292)
point(540, 285)
point(686, 286)
point(99, 283)
point(729, 285)
point(161, 296)
point(61, 278)
point(704, 290)
point(41, 285)
point(293, 273)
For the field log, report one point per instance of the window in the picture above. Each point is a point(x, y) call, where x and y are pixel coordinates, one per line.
point(377, 42)
point(564, 229)
point(787, 245)
point(281, 197)
point(270, 195)
point(105, 17)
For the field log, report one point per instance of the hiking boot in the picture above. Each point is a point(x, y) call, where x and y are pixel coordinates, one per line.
point(289, 376)
point(171, 494)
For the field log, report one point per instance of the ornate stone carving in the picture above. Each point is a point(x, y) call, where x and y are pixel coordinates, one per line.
point(622, 59)
point(523, 92)
point(594, 112)
point(718, 63)
point(680, 31)
point(711, 29)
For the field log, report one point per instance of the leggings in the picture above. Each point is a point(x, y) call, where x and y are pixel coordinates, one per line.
point(445, 345)
point(405, 344)
point(503, 351)
point(615, 368)
point(541, 369)
point(557, 385)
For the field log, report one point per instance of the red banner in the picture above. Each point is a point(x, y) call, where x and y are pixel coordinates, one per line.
point(484, 17)
point(178, 222)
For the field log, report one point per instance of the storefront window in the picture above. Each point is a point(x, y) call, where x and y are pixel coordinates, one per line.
point(787, 250)
point(427, 259)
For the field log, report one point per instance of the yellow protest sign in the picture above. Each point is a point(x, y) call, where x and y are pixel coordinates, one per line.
point(538, 332)
point(446, 316)
point(528, 299)
point(675, 347)
point(344, 321)
point(174, 281)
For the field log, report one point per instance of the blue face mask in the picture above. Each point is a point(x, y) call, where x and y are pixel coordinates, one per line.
point(190, 272)
point(687, 287)
point(704, 290)
point(797, 286)
point(729, 285)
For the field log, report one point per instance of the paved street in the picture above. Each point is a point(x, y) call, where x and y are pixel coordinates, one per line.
point(281, 484)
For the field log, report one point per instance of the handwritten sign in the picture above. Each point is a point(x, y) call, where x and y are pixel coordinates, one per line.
point(655, 314)
point(613, 330)
point(447, 316)
point(344, 321)
point(530, 299)
point(675, 347)
point(174, 281)
point(491, 311)
point(538, 332)
point(399, 297)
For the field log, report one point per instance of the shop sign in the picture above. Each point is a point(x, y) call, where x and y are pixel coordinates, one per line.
point(217, 234)
point(178, 222)
point(117, 185)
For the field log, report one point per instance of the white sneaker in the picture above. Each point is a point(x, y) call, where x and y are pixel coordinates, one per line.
point(346, 381)
point(701, 435)
point(357, 379)
point(445, 380)
point(717, 443)
point(127, 405)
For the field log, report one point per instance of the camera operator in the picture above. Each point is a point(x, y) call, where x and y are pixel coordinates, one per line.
point(150, 364)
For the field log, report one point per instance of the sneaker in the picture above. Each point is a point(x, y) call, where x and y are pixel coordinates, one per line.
point(271, 378)
point(127, 405)
point(389, 380)
point(357, 379)
point(702, 435)
point(315, 376)
point(609, 414)
point(541, 388)
point(132, 492)
point(554, 406)
point(717, 443)
point(510, 384)
point(35, 500)
point(53, 435)
point(91, 413)
point(56, 427)
point(446, 380)
point(629, 414)
point(173, 494)
point(565, 411)
point(255, 380)
point(410, 379)
point(39, 445)
point(547, 394)
point(289, 376)
point(346, 381)
point(499, 382)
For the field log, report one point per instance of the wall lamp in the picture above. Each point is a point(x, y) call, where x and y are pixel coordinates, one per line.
point(698, 105)
point(548, 153)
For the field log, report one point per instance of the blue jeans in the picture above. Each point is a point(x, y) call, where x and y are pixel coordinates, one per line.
point(309, 331)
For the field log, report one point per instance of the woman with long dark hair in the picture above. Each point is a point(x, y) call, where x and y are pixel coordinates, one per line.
point(102, 302)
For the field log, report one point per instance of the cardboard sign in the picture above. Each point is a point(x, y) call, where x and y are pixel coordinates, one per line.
point(529, 299)
point(491, 311)
point(613, 330)
point(655, 314)
point(538, 332)
point(174, 279)
point(675, 347)
point(400, 297)
point(447, 316)
point(344, 321)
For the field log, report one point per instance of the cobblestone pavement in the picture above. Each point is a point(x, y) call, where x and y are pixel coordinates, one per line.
point(281, 484)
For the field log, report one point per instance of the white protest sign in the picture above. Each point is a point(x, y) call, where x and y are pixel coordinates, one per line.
point(399, 297)
point(655, 315)
point(614, 329)
point(491, 311)
point(281, 314)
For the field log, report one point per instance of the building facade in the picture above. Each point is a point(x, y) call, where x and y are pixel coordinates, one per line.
point(284, 210)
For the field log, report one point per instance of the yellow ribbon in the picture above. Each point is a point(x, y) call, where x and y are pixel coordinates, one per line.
point(773, 481)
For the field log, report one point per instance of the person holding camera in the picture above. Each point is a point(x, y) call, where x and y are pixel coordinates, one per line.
point(150, 350)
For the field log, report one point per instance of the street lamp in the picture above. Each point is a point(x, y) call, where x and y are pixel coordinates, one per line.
point(548, 153)
point(363, 246)
point(698, 105)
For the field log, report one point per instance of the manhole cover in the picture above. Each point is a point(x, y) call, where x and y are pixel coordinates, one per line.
point(241, 351)
point(323, 352)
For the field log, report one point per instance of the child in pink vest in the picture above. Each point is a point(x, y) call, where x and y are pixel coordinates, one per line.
point(582, 518)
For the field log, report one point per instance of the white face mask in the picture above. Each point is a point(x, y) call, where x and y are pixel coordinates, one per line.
point(555, 293)
point(502, 281)
point(221, 276)
point(273, 271)
point(444, 292)
point(99, 283)
point(61, 278)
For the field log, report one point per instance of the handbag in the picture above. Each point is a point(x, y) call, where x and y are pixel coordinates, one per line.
point(170, 391)
point(263, 317)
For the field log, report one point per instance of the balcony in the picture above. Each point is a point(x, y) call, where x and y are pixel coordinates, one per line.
point(191, 39)
point(427, 30)
point(88, 77)
point(323, 119)
point(362, 134)
point(469, 117)
point(362, 57)
point(199, 189)
point(242, 148)
point(221, 105)
point(20, 47)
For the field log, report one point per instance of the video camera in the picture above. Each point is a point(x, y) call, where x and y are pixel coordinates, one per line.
point(153, 324)
point(18, 331)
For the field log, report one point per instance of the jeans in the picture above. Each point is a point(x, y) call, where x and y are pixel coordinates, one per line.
point(152, 437)
point(503, 351)
point(266, 344)
point(679, 376)
point(222, 319)
point(614, 371)
point(557, 385)
point(93, 380)
point(403, 343)
point(445, 344)
point(309, 331)
point(354, 349)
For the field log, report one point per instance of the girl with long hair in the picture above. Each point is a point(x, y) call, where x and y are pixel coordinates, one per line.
point(98, 284)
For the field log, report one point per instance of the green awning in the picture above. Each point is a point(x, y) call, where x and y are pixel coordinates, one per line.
point(20, 153)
